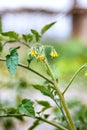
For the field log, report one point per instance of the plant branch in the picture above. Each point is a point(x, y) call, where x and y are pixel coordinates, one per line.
point(4, 44)
point(32, 70)
point(62, 111)
point(74, 76)
point(39, 118)
point(63, 102)
point(23, 43)
point(53, 124)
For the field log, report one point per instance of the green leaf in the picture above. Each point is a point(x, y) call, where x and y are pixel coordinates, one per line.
point(36, 34)
point(27, 108)
point(35, 124)
point(44, 103)
point(4, 38)
point(46, 27)
point(46, 116)
point(27, 37)
point(11, 111)
point(43, 90)
point(34, 31)
point(12, 50)
point(12, 61)
point(11, 34)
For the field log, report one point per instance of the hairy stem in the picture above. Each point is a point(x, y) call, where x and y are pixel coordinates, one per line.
point(74, 76)
point(39, 118)
point(63, 102)
point(65, 107)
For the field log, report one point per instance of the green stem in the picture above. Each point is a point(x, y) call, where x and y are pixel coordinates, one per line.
point(59, 93)
point(25, 44)
point(65, 107)
point(49, 70)
point(74, 76)
point(32, 70)
point(51, 123)
point(39, 118)
point(60, 107)
point(4, 44)
point(21, 42)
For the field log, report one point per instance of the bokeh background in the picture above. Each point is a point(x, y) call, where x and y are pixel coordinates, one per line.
point(68, 36)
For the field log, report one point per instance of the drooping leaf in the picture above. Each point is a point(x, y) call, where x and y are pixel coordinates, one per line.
point(44, 103)
point(12, 61)
point(34, 125)
point(11, 34)
point(26, 107)
point(46, 27)
point(43, 90)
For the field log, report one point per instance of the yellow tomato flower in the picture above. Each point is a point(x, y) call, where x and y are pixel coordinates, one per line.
point(33, 52)
point(40, 58)
point(54, 53)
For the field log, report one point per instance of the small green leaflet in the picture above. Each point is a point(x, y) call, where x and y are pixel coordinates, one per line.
point(46, 27)
point(27, 37)
point(12, 61)
point(44, 103)
point(43, 90)
point(11, 110)
point(35, 124)
point(26, 107)
point(11, 34)
point(36, 34)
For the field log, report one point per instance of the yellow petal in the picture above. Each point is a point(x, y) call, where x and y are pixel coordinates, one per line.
point(40, 58)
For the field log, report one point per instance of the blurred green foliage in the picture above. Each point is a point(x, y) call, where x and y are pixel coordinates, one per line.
point(78, 112)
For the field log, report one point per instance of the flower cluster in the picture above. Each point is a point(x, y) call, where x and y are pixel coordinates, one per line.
point(39, 53)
